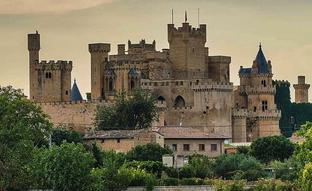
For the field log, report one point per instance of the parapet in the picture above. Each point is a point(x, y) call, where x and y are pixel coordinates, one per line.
point(54, 65)
point(301, 79)
point(187, 30)
point(99, 47)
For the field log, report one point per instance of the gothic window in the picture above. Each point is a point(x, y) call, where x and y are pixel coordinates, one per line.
point(255, 109)
point(263, 83)
point(264, 105)
point(48, 75)
point(66, 92)
point(179, 102)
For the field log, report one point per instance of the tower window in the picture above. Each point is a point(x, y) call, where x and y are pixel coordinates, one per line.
point(264, 105)
point(263, 83)
point(66, 92)
point(48, 75)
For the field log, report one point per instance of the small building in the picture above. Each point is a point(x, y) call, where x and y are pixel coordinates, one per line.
point(123, 140)
point(185, 141)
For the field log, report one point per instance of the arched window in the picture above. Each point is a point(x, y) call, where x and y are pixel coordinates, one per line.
point(179, 102)
point(161, 99)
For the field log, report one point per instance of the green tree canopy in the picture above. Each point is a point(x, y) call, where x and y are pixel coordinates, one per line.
point(152, 152)
point(244, 166)
point(136, 111)
point(59, 135)
point(23, 127)
point(271, 148)
point(62, 168)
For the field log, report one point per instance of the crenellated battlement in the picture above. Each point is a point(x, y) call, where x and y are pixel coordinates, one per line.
point(60, 103)
point(99, 48)
point(239, 113)
point(187, 31)
point(221, 86)
point(54, 65)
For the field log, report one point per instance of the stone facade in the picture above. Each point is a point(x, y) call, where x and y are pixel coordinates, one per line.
point(124, 140)
point(192, 87)
point(254, 102)
point(301, 90)
point(49, 81)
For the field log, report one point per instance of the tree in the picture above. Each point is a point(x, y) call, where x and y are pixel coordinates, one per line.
point(283, 102)
point(199, 166)
point(244, 166)
point(23, 127)
point(62, 168)
point(306, 177)
point(152, 152)
point(136, 111)
point(59, 135)
point(271, 148)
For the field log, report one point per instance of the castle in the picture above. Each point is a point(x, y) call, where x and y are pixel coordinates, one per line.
point(193, 88)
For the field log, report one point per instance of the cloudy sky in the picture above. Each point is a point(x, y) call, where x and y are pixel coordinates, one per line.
point(235, 28)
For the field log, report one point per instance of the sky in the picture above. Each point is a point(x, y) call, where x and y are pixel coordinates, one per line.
point(234, 28)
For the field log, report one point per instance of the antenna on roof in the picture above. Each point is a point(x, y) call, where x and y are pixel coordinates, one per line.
point(185, 16)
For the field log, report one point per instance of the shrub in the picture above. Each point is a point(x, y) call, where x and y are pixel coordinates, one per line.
point(236, 185)
point(171, 172)
point(191, 181)
point(233, 166)
point(153, 167)
point(168, 182)
point(243, 150)
point(141, 178)
point(272, 185)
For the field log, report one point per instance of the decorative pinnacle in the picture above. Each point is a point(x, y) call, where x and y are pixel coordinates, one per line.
point(185, 16)
point(260, 46)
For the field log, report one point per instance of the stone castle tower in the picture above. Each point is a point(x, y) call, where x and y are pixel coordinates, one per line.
point(301, 90)
point(254, 102)
point(48, 81)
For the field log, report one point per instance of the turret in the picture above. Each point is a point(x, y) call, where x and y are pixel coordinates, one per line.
point(99, 56)
point(301, 90)
point(33, 48)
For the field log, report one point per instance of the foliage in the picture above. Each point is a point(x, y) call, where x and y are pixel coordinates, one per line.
point(59, 135)
point(110, 178)
point(168, 182)
point(66, 167)
point(142, 178)
point(137, 111)
point(152, 167)
point(283, 103)
point(228, 166)
point(199, 166)
point(152, 152)
point(97, 153)
point(23, 127)
point(273, 185)
point(171, 172)
point(243, 150)
point(306, 177)
point(191, 181)
point(302, 112)
point(286, 171)
point(236, 185)
point(272, 148)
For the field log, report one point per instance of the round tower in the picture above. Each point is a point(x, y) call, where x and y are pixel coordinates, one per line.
point(99, 56)
point(301, 90)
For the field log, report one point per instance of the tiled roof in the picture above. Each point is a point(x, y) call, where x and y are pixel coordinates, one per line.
point(244, 71)
point(262, 63)
point(173, 132)
point(114, 134)
point(75, 93)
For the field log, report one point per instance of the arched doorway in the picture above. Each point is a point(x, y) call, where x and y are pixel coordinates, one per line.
point(179, 102)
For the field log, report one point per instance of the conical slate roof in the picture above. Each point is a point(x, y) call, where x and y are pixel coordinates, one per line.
point(75, 93)
point(262, 63)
